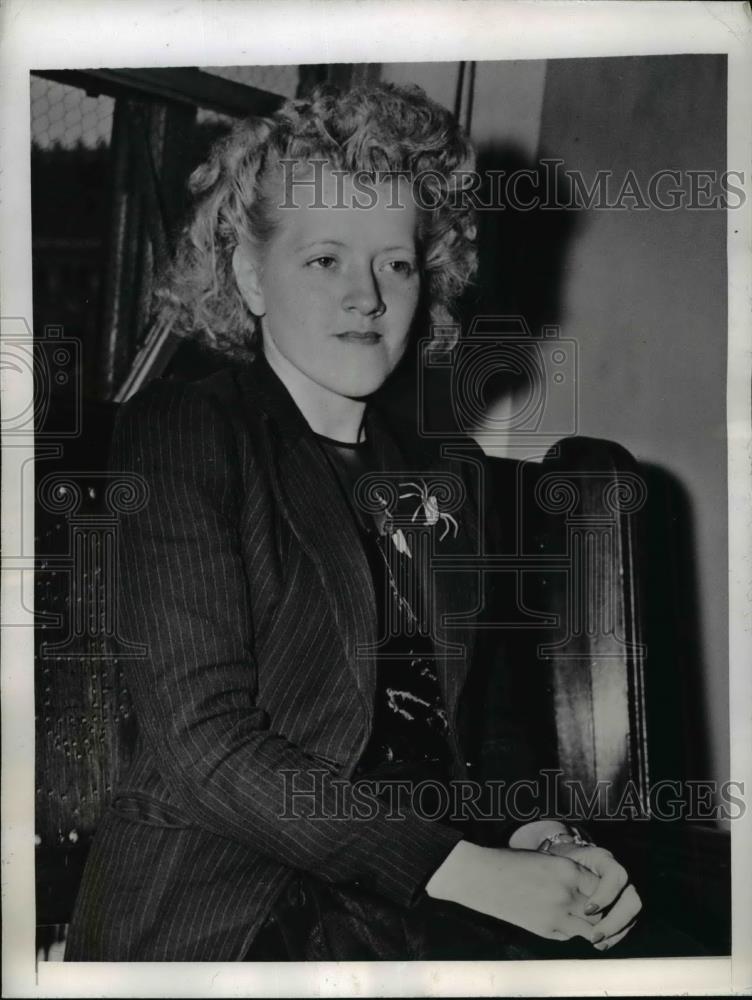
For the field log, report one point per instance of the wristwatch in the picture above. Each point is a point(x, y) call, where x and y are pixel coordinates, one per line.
point(573, 835)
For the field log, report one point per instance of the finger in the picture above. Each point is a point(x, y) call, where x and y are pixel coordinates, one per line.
point(613, 879)
point(615, 938)
point(578, 909)
point(586, 882)
point(621, 914)
point(597, 859)
point(578, 904)
point(574, 926)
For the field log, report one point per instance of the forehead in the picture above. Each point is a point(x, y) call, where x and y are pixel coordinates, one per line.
point(326, 205)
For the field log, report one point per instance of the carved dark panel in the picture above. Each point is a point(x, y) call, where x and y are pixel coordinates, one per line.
point(589, 494)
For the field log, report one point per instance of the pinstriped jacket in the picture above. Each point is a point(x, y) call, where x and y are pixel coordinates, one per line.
point(245, 578)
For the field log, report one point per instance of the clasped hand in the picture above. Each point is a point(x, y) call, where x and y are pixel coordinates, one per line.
point(613, 905)
point(576, 892)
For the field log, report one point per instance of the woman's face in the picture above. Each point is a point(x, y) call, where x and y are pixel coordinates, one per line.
point(337, 287)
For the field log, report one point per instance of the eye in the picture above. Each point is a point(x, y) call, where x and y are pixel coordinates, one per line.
point(326, 262)
point(403, 267)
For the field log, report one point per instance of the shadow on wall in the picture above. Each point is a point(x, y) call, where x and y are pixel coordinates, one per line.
point(521, 257)
point(522, 252)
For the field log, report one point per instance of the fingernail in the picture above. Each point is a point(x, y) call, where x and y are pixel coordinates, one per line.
point(597, 937)
point(591, 908)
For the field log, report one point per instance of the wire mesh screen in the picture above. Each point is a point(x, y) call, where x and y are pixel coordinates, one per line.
point(65, 117)
point(281, 80)
point(70, 167)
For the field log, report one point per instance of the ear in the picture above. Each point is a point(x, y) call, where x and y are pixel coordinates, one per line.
point(248, 279)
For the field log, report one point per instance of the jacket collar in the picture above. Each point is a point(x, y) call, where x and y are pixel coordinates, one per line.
point(272, 396)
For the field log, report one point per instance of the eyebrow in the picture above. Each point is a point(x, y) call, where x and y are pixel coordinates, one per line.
point(339, 243)
point(319, 242)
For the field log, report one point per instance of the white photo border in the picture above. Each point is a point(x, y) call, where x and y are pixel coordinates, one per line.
point(46, 34)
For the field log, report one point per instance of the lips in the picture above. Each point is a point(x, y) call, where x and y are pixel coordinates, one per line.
point(359, 336)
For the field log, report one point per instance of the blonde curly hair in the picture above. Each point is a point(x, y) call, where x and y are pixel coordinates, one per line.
point(378, 130)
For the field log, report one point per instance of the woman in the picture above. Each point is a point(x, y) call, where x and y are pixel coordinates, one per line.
point(280, 579)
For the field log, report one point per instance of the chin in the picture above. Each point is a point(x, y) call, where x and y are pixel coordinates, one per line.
point(357, 384)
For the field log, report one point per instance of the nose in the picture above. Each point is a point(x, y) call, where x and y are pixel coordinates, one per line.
point(363, 294)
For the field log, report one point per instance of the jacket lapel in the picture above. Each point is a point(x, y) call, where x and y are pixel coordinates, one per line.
point(323, 523)
point(311, 501)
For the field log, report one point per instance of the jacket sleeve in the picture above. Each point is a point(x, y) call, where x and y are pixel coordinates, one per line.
point(183, 592)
